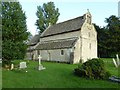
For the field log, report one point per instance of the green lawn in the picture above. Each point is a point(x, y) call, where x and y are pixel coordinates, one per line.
point(56, 75)
point(0, 75)
point(110, 67)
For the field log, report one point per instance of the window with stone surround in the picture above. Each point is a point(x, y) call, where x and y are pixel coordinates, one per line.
point(62, 52)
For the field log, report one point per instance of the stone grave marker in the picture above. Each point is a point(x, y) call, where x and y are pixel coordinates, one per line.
point(40, 66)
point(0, 60)
point(39, 57)
point(22, 65)
point(12, 66)
point(116, 62)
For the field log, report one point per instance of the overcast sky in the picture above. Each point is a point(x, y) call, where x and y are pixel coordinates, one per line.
point(100, 9)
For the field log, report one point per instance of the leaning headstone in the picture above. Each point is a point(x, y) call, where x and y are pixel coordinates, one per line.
point(40, 66)
point(118, 60)
point(115, 63)
point(22, 65)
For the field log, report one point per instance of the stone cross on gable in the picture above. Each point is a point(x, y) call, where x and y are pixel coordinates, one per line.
point(87, 10)
point(39, 59)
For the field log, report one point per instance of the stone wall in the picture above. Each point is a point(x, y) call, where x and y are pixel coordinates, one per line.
point(55, 55)
point(89, 42)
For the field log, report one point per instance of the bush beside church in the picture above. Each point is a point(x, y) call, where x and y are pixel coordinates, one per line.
point(94, 69)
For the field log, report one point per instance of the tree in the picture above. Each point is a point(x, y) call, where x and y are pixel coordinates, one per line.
point(109, 37)
point(47, 14)
point(101, 37)
point(0, 32)
point(113, 40)
point(14, 31)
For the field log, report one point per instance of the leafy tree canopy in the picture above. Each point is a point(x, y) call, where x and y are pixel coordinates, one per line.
point(14, 31)
point(47, 14)
point(109, 37)
point(113, 35)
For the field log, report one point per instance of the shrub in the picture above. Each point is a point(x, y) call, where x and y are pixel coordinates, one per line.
point(6, 63)
point(94, 69)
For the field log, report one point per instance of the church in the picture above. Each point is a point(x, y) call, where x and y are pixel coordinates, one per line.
point(71, 41)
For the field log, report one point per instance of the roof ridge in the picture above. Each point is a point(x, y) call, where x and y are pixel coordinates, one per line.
point(71, 25)
point(70, 19)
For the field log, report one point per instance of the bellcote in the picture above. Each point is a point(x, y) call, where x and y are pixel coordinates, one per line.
point(88, 17)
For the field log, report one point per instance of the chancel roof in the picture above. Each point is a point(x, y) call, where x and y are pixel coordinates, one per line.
point(34, 40)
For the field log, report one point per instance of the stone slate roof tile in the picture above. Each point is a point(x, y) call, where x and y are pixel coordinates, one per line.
point(67, 26)
point(34, 40)
point(58, 44)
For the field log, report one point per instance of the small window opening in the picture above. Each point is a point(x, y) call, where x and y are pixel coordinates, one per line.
point(62, 52)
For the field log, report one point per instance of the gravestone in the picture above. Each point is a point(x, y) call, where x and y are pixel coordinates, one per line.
point(40, 66)
point(39, 58)
point(22, 65)
point(0, 60)
point(12, 66)
point(116, 62)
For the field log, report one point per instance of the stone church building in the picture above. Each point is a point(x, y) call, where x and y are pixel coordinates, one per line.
point(31, 52)
point(71, 41)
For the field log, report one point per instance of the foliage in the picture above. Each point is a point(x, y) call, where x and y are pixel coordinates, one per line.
point(113, 40)
point(14, 32)
point(47, 14)
point(0, 33)
point(102, 37)
point(109, 37)
point(94, 69)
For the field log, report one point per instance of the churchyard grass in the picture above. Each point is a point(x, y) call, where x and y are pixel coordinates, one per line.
point(0, 75)
point(110, 67)
point(56, 75)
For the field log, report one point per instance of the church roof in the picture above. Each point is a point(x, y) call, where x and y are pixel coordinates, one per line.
point(63, 27)
point(34, 40)
point(58, 44)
